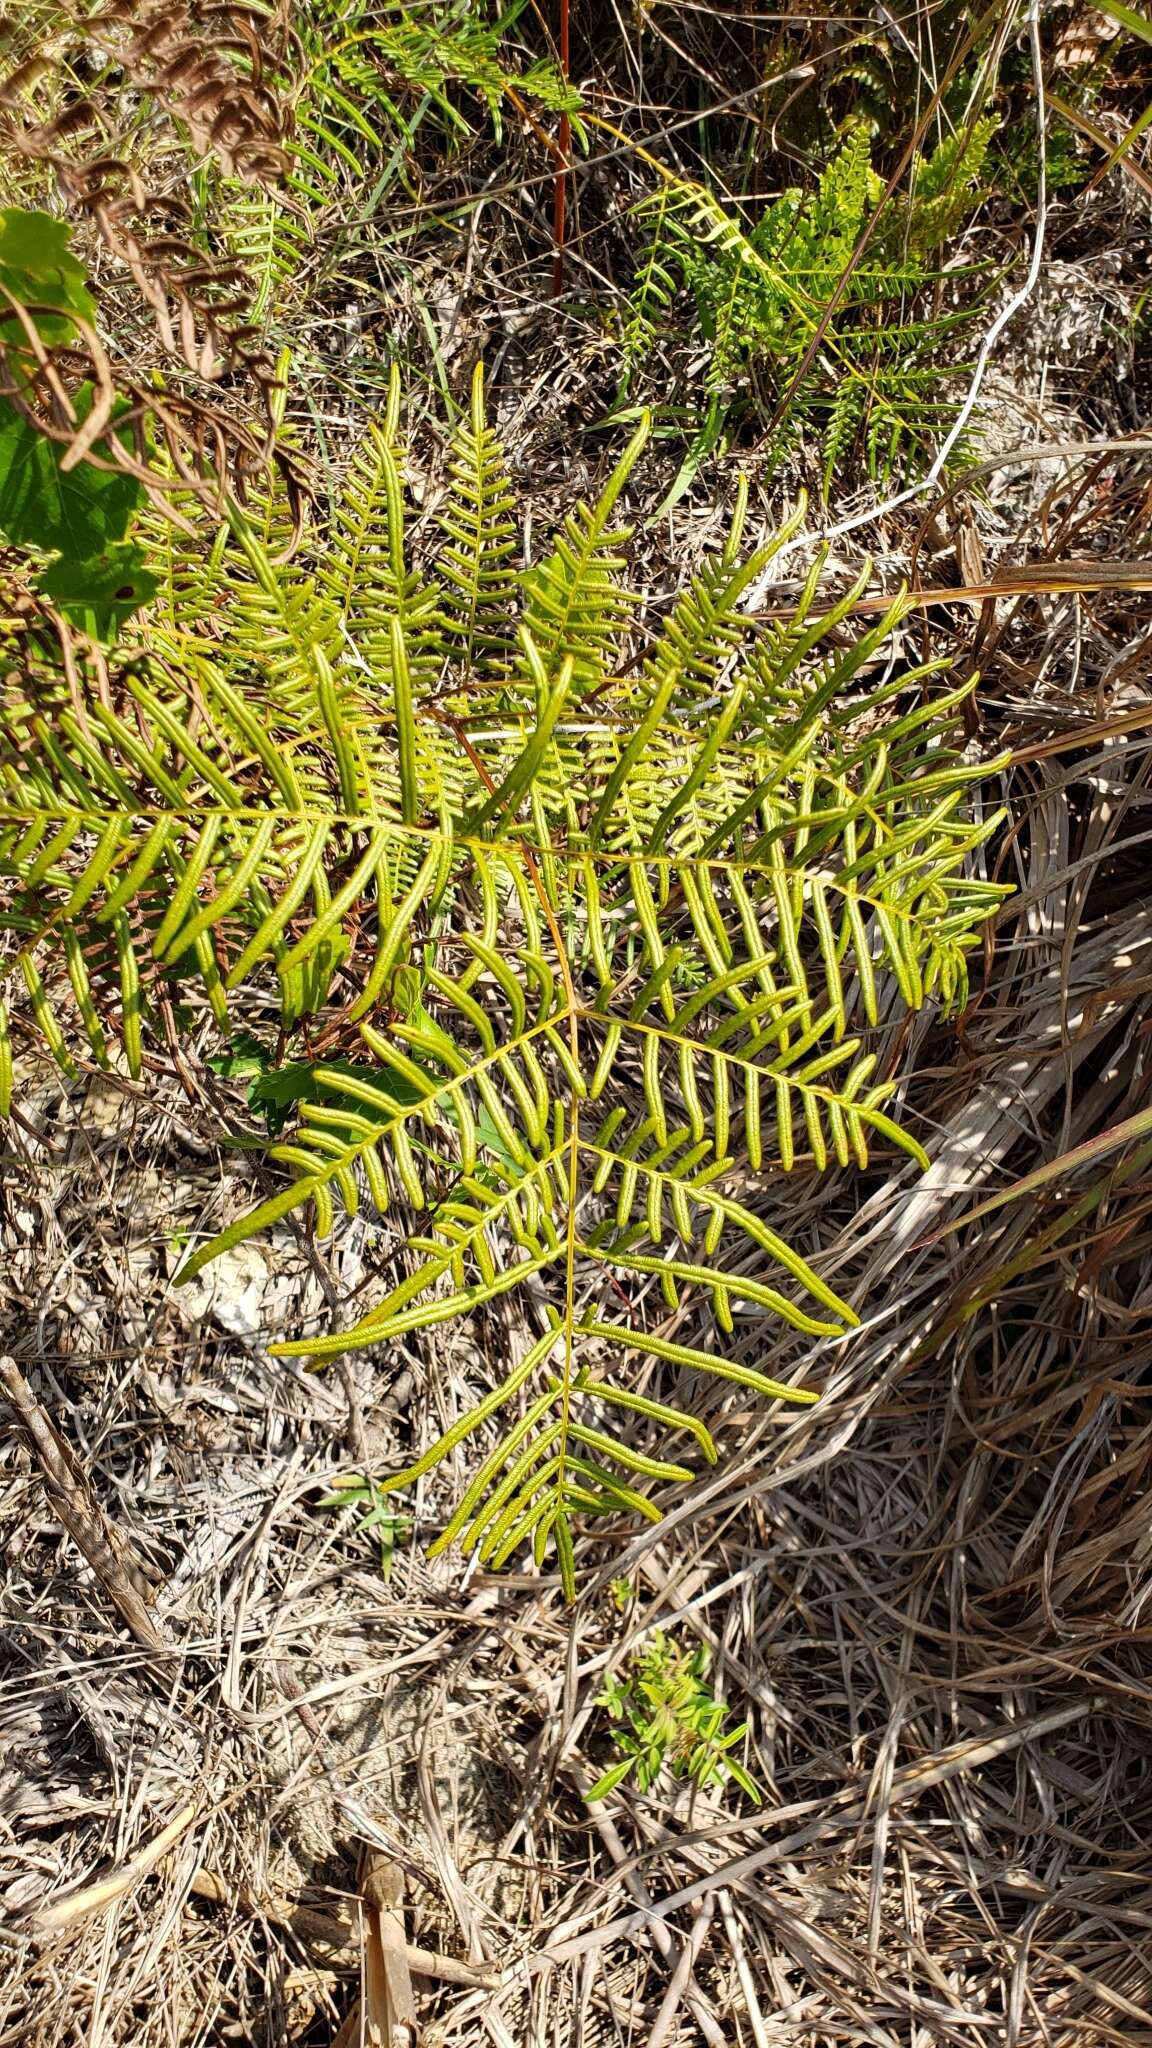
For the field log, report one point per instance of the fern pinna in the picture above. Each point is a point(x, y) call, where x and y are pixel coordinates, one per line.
point(592, 917)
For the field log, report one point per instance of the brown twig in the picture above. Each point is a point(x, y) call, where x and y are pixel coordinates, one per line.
point(70, 1496)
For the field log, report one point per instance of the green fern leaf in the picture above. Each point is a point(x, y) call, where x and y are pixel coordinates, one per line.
point(761, 292)
point(574, 606)
point(479, 524)
point(593, 937)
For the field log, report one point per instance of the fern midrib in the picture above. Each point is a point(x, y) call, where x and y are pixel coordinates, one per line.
point(441, 1093)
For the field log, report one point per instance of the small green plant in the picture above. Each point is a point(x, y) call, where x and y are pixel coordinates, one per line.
point(390, 1527)
point(665, 1717)
point(759, 295)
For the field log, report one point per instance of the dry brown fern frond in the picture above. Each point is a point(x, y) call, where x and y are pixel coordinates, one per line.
point(218, 69)
point(215, 76)
point(222, 71)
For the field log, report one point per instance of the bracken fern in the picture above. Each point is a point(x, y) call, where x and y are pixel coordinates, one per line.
point(759, 293)
point(591, 919)
point(373, 82)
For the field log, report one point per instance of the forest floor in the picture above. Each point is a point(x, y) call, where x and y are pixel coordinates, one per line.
point(927, 1596)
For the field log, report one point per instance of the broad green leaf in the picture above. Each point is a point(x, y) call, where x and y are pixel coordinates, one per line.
point(77, 512)
point(38, 269)
point(80, 514)
point(101, 594)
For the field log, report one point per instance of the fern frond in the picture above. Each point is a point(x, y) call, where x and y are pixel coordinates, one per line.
point(574, 606)
point(845, 415)
point(943, 186)
point(266, 239)
point(370, 82)
point(593, 933)
point(365, 570)
point(760, 292)
point(658, 279)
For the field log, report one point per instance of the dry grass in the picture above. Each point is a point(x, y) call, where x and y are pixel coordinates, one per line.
point(220, 1720)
